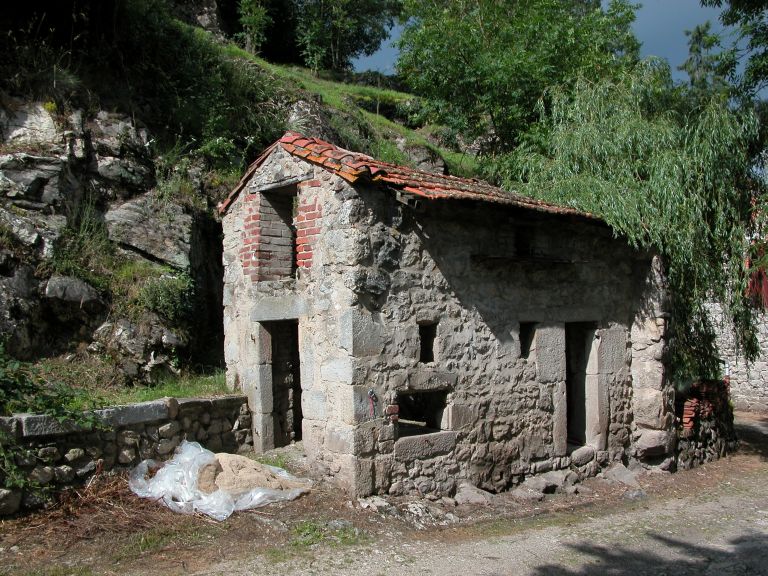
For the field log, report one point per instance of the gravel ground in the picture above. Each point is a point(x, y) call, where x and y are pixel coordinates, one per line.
point(711, 520)
point(722, 531)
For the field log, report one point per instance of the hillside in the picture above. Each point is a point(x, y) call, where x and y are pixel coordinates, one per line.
point(116, 144)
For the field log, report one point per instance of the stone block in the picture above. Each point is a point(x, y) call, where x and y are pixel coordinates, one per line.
point(383, 466)
point(288, 307)
point(10, 427)
point(363, 477)
point(263, 432)
point(386, 432)
point(365, 437)
point(648, 407)
point(597, 416)
point(10, 501)
point(127, 438)
point(40, 425)
point(550, 352)
point(582, 456)
point(64, 474)
point(313, 405)
point(338, 370)
point(167, 445)
point(126, 455)
point(257, 386)
point(74, 454)
point(559, 420)
point(49, 454)
point(169, 430)
point(612, 350)
point(424, 446)
point(647, 374)
point(136, 413)
point(42, 475)
point(361, 333)
point(340, 440)
point(348, 404)
point(653, 443)
point(430, 379)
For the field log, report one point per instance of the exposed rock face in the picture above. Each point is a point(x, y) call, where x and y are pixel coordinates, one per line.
point(58, 174)
point(160, 232)
point(423, 157)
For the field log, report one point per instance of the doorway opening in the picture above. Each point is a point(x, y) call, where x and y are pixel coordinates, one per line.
point(286, 381)
point(579, 364)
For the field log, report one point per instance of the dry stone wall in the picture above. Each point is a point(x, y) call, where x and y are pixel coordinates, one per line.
point(58, 455)
point(453, 313)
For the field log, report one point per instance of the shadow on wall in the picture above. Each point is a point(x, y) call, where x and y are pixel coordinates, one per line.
point(746, 554)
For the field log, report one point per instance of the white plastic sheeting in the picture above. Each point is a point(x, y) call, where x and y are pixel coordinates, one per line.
point(175, 485)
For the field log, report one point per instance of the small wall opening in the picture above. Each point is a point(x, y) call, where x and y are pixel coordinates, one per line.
point(427, 335)
point(420, 412)
point(579, 341)
point(527, 333)
point(278, 233)
point(286, 381)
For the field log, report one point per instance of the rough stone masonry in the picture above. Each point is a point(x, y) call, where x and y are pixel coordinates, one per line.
point(416, 330)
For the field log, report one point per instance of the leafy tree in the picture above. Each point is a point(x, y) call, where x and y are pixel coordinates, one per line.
point(709, 72)
point(332, 32)
point(751, 19)
point(683, 184)
point(485, 63)
point(254, 19)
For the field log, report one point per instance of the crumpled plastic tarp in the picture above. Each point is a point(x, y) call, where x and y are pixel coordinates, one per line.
point(175, 485)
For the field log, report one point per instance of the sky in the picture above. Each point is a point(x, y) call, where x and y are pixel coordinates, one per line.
point(660, 26)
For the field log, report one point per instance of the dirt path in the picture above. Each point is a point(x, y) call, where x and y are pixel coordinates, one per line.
point(711, 520)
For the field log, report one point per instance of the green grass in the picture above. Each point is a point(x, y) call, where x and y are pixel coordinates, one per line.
point(188, 386)
point(276, 460)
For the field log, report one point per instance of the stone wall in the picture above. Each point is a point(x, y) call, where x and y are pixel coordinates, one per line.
point(704, 424)
point(59, 455)
point(381, 271)
point(749, 381)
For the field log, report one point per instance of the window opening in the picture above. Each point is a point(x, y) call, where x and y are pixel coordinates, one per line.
point(420, 412)
point(527, 332)
point(427, 335)
point(278, 231)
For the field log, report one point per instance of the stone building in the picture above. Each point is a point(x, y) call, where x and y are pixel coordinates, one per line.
point(415, 330)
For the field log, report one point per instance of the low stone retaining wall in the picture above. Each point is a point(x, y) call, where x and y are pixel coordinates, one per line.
point(705, 424)
point(59, 454)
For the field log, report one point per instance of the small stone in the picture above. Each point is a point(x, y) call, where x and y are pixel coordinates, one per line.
point(74, 454)
point(469, 494)
point(126, 455)
point(446, 501)
point(166, 445)
point(94, 452)
point(49, 454)
point(169, 430)
point(637, 494)
point(86, 469)
point(10, 501)
point(64, 474)
point(205, 419)
point(619, 473)
point(582, 456)
point(173, 407)
point(128, 438)
point(42, 475)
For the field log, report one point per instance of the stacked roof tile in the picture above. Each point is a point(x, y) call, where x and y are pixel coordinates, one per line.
point(353, 166)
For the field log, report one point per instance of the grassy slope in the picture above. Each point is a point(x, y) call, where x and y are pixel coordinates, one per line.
point(342, 97)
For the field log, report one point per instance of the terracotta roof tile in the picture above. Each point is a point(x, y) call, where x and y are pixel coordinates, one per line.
point(353, 166)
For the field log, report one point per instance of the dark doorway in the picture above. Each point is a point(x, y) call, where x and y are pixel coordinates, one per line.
point(579, 337)
point(286, 381)
point(421, 412)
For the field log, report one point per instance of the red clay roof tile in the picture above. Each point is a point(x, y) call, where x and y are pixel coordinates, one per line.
point(353, 166)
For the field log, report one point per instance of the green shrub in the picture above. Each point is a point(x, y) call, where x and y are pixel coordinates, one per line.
point(170, 296)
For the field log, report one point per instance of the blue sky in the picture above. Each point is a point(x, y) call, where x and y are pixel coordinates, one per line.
point(660, 26)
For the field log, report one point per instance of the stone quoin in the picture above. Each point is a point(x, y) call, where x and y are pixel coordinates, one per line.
point(419, 330)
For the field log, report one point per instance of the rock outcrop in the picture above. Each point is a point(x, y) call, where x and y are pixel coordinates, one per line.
point(78, 176)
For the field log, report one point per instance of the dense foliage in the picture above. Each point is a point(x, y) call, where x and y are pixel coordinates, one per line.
point(669, 179)
point(750, 17)
point(485, 64)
